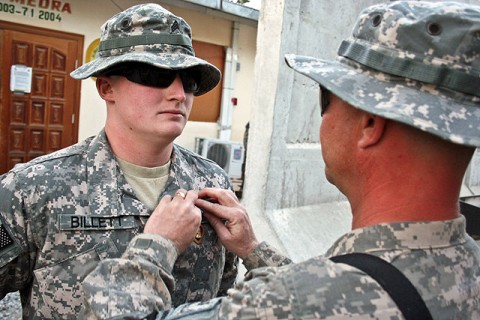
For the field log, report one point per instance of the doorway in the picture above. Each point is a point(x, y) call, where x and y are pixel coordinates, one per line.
point(46, 119)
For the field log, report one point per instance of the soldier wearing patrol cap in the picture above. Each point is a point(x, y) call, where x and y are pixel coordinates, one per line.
point(401, 110)
point(62, 213)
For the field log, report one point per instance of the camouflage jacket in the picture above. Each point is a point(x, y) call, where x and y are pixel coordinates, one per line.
point(439, 258)
point(63, 213)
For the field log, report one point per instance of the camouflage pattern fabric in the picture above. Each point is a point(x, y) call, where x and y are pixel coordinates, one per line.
point(149, 34)
point(265, 256)
point(443, 264)
point(413, 62)
point(63, 213)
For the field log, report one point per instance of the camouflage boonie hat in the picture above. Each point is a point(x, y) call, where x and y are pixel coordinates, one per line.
point(149, 34)
point(413, 62)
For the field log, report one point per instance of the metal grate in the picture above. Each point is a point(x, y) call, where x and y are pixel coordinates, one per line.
point(219, 153)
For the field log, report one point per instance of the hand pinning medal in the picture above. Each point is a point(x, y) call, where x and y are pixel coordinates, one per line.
point(201, 230)
point(180, 194)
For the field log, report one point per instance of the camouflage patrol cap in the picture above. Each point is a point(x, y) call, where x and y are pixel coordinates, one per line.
point(413, 62)
point(148, 33)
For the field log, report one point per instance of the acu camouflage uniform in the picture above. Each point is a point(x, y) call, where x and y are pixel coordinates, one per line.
point(413, 62)
point(439, 258)
point(63, 213)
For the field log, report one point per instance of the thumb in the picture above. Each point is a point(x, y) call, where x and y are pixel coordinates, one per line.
point(217, 224)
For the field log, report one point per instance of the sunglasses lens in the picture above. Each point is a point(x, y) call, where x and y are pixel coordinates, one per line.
point(151, 77)
point(189, 82)
point(154, 77)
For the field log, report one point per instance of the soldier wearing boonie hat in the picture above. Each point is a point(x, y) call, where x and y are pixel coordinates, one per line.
point(62, 213)
point(151, 35)
point(399, 129)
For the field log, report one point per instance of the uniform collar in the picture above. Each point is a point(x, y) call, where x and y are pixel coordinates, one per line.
point(104, 189)
point(402, 235)
point(107, 184)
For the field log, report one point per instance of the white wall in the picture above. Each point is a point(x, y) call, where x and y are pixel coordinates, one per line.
point(244, 83)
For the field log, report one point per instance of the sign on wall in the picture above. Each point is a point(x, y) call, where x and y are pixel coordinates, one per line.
point(92, 50)
point(47, 10)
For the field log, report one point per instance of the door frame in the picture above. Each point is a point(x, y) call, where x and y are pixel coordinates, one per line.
point(79, 39)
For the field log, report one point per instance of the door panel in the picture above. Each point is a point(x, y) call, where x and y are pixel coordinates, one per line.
point(44, 120)
point(207, 107)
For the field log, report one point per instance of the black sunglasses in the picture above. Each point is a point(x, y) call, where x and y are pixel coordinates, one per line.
point(324, 99)
point(155, 77)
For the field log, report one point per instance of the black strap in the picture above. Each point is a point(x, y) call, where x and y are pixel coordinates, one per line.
point(391, 279)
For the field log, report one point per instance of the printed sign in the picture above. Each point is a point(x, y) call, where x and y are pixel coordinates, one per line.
point(20, 78)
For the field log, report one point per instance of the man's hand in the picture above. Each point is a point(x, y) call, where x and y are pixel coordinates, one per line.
point(176, 219)
point(229, 219)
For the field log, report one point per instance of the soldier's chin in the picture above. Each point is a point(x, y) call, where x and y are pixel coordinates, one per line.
point(330, 177)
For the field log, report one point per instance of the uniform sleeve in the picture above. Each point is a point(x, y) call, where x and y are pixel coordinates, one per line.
point(311, 290)
point(264, 295)
point(265, 255)
point(17, 252)
point(137, 287)
point(137, 284)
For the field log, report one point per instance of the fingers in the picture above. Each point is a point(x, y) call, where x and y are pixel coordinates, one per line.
point(183, 194)
point(176, 218)
point(217, 201)
point(237, 235)
point(222, 196)
point(214, 208)
point(217, 224)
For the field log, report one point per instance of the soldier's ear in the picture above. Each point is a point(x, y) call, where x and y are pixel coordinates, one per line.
point(373, 129)
point(104, 88)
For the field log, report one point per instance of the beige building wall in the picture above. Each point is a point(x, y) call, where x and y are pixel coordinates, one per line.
point(87, 16)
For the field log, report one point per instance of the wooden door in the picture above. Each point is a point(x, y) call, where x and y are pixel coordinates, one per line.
point(46, 119)
point(207, 107)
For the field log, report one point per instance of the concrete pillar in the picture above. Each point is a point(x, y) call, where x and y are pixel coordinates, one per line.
point(286, 194)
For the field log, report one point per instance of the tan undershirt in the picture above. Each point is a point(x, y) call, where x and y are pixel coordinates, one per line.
point(147, 183)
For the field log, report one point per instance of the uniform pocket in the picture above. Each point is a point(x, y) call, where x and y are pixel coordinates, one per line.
point(59, 285)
